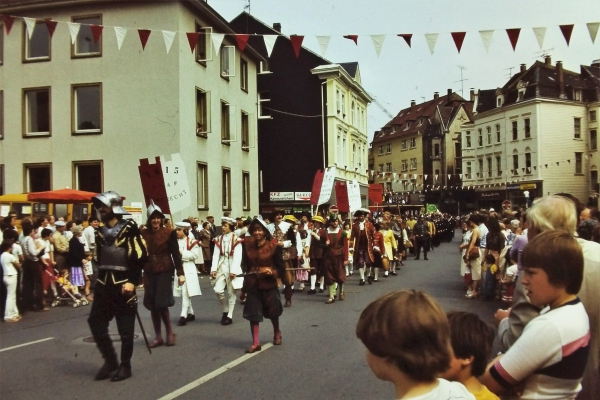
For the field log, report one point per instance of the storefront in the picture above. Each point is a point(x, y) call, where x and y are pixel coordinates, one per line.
point(520, 195)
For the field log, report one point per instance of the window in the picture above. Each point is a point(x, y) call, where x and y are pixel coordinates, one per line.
point(202, 185)
point(202, 112)
point(388, 148)
point(38, 177)
point(593, 137)
point(527, 163)
point(246, 190)
point(37, 48)
point(343, 105)
point(576, 94)
point(421, 119)
point(479, 137)
point(87, 176)
point(515, 164)
point(227, 61)
point(352, 113)
point(337, 101)
point(226, 189)
point(244, 75)
point(408, 123)
point(469, 168)
point(468, 139)
point(527, 128)
point(515, 132)
point(204, 45)
point(498, 133)
point(36, 112)
point(263, 67)
point(480, 162)
point(388, 167)
point(264, 104)
point(1, 112)
point(225, 122)
point(404, 144)
point(85, 46)
point(404, 165)
point(245, 131)
point(413, 163)
point(413, 142)
point(380, 150)
point(499, 165)
point(380, 167)
point(436, 150)
point(593, 116)
point(1, 44)
point(499, 101)
point(577, 128)
point(578, 163)
point(87, 109)
point(489, 135)
point(489, 167)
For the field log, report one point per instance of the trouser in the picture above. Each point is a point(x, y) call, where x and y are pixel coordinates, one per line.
point(490, 284)
point(11, 311)
point(222, 284)
point(108, 303)
point(33, 288)
point(288, 280)
point(186, 301)
point(421, 242)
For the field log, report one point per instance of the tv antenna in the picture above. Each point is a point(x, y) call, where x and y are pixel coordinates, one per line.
point(462, 80)
point(544, 53)
point(247, 7)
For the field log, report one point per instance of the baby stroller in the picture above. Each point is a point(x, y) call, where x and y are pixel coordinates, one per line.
point(65, 297)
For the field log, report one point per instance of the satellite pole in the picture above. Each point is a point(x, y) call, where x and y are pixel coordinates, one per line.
point(462, 80)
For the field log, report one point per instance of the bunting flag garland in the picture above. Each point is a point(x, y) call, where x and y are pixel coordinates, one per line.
point(592, 29)
point(513, 36)
point(354, 38)
point(270, 43)
point(458, 38)
point(378, 43)
point(9, 20)
point(51, 25)
point(486, 39)
point(567, 30)
point(323, 43)
point(431, 39)
point(217, 40)
point(96, 32)
point(30, 24)
point(144, 35)
point(193, 39)
point(296, 43)
point(168, 36)
point(540, 34)
point(120, 34)
point(241, 40)
point(74, 30)
point(407, 37)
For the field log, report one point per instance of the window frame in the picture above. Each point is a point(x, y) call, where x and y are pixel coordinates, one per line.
point(203, 43)
point(75, 55)
point(515, 164)
point(413, 142)
point(24, 109)
point(593, 116)
point(244, 74)
point(515, 130)
point(499, 165)
point(388, 167)
point(206, 94)
point(576, 128)
point(202, 169)
point(593, 139)
point(246, 200)
point(479, 137)
point(468, 143)
point(74, 130)
point(1, 44)
point(75, 175)
point(528, 168)
point(226, 189)
point(1, 113)
point(25, 47)
point(26, 181)
point(527, 127)
point(413, 163)
point(489, 134)
point(388, 148)
point(261, 101)
point(404, 144)
point(230, 51)
point(498, 134)
point(578, 163)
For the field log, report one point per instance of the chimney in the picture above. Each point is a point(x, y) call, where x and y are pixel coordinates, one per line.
point(548, 61)
point(472, 94)
point(436, 95)
point(449, 94)
point(523, 67)
point(561, 80)
point(412, 103)
point(277, 27)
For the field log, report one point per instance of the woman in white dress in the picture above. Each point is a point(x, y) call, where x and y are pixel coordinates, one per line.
point(226, 265)
point(189, 249)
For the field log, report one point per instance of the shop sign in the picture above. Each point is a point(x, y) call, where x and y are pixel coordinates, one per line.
point(513, 187)
point(490, 194)
point(302, 196)
point(281, 196)
point(527, 186)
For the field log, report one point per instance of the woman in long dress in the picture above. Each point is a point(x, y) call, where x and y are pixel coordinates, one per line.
point(189, 249)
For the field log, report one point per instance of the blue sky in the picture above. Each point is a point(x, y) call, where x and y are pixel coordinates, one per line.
point(402, 74)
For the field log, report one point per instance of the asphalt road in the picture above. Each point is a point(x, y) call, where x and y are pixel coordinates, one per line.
point(320, 357)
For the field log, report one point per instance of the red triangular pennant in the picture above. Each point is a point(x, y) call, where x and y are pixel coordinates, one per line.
point(566, 31)
point(96, 32)
point(354, 38)
point(569, 161)
point(407, 37)
point(546, 165)
point(144, 35)
point(51, 25)
point(558, 163)
point(241, 41)
point(8, 22)
point(192, 39)
point(513, 36)
point(458, 37)
point(296, 43)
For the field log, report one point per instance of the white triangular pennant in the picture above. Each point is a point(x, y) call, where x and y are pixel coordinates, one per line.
point(120, 33)
point(404, 176)
point(425, 176)
point(30, 23)
point(217, 39)
point(74, 30)
point(270, 43)
point(378, 43)
point(486, 38)
point(540, 34)
point(168, 36)
point(431, 39)
point(460, 176)
point(449, 176)
point(593, 30)
point(395, 174)
point(323, 43)
point(436, 178)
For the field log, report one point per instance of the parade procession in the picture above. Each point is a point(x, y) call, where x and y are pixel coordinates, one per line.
point(174, 172)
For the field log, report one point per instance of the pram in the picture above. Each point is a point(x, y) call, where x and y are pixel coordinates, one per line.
point(65, 297)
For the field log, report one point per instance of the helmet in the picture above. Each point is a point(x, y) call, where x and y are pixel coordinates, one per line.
point(111, 199)
point(153, 208)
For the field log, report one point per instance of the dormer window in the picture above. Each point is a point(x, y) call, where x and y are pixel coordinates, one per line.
point(521, 86)
point(394, 128)
point(421, 121)
point(407, 125)
point(499, 101)
point(576, 95)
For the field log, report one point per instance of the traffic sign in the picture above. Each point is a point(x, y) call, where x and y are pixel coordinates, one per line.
point(334, 209)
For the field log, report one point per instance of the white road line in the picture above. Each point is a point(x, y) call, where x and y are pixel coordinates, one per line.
point(213, 374)
point(26, 344)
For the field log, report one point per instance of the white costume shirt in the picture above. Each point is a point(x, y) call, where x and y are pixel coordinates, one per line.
point(227, 259)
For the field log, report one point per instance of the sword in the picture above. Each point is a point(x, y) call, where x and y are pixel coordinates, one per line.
point(133, 302)
point(287, 269)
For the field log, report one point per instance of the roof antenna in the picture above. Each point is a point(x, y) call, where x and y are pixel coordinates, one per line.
point(462, 80)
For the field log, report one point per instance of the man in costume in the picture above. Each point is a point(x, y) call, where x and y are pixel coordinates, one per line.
point(283, 232)
point(361, 245)
point(318, 239)
point(335, 258)
point(190, 251)
point(422, 234)
point(119, 254)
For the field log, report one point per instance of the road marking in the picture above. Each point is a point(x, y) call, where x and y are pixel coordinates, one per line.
point(213, 374)
point(25, 344)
